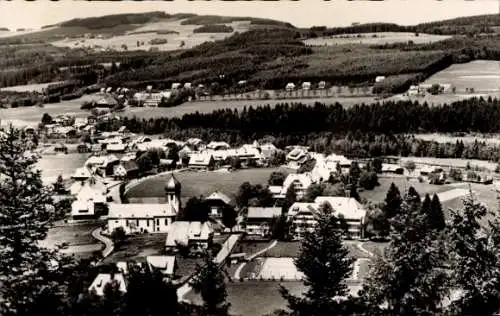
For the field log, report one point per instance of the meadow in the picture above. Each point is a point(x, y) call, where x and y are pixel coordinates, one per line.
point(29, 87)
point(481, 75)
point(379, 38)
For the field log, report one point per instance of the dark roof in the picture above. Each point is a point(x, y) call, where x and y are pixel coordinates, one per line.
point(173, 183)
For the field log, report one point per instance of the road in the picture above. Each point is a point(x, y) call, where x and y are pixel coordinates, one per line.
point(219, 259)
point(108, 243)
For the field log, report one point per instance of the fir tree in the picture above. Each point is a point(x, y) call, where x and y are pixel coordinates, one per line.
point(209, 282)
point(353, 192)
point(59, 187)
point(408, 280)
point(436, 215)
point(475, 260)
point(326, 265)
point(392, 206)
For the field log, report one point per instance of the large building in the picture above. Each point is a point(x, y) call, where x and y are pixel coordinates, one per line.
point(147, 218)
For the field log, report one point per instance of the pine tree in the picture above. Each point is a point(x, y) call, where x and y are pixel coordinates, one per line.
point(26, 212)
point(475, 259)
point(59, 185)
point(436, 215)
point(209, 282)
point(326, 265)
point(392, 206)
point(408, 280)
point(353, 192)
point(413, 199)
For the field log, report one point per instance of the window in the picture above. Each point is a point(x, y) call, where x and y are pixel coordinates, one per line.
point(147, 222)
point(116, 222)
point(166, 221)
point(157, 222)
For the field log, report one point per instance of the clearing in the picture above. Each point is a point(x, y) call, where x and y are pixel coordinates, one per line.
point(78, 239)
point(481, 75)
point(203, 183)
point(379, 38)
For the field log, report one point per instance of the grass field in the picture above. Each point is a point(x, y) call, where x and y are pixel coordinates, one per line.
point(54, 165)
point(203, 183)
point(481, 75)
point(375, 39)
point(451, 162)
point(78, 239)
point(138, 247)
point(29, 87)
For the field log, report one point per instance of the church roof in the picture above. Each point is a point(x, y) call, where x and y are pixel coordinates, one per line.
point(173, 183)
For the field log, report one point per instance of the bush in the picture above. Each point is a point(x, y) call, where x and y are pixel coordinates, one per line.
point(368, 180)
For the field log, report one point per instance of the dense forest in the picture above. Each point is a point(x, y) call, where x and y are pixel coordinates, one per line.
point(359, 131)
point(214, 28)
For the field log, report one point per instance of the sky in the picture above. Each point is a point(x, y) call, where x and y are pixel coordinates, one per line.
point(303, 13)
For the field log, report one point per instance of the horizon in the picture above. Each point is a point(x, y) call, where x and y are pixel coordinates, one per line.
point(34, 15)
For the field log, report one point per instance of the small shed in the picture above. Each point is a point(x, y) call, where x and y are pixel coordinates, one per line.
point(306, 85)
point(322, 85)
point(290, 86)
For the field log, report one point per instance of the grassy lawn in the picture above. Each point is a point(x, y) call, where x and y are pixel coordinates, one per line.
point(250, 247)
point(138, 247)
point(257, 298)
point(283, 249)
point(203, 183)
point(378, 194)
point(73, 235)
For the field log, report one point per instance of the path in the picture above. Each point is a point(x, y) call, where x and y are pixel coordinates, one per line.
point(238, 270)
point(108, 243)
point(219, 259)
point(357, 262)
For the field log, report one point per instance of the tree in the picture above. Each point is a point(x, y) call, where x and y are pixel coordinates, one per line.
point(354, 172)
point(276, 178)
point(377, 165)
point(59, 187)
point(229, 217)
point(46, 119)
point(149, 295)
point(290, 198)
point(377, 223)
point(368, 180)
point(436, 216)
point(209, 282)
point(144, 163)
point(195, 210)
point(244, 194)
point(326, 265)
point(313, 191)
point(410, 166)
point(392, 202)
point(475, 261)
point(353, 192)
point(26, 214)
point(409, 279)
point(118, 236)
point(280, 228)
point(413, 198)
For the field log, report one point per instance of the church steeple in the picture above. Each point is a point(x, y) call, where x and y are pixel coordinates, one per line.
point(173, 192)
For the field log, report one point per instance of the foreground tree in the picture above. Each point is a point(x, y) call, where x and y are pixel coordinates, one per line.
point(326, 265)
point(475, 260)
point(26, 213)
point(209, 283)
point(408, 279)
point(195, 210)
point(393, 200)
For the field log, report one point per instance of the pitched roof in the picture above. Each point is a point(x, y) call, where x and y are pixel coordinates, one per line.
point(82, 172)
point(130, 165)
point(182, 232)
point(219, 196)
point(202, 159)
point(140, 210)
point(298, 207)
point(173, 183)
point(104, 278)
point(349, 207)
point(164, 263)
point(263, 212)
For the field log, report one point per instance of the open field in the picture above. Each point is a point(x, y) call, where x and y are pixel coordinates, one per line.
point(138, 247)
point(481, 75)
point(257, 298)
point(54, 165)
point(29, 87)
point(446, 98)
point(451, 162)
point(380, 38)
point(203, 183)
point(78, 239)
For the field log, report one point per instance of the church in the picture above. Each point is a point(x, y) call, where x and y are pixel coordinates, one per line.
point(147, 218)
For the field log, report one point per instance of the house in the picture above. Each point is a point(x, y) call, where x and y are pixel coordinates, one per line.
point(415, 90)
point(176, 85)
point(379, 78)
point(116, 147)
point(297, 157)
point(106, 169)
point(299, 182)
point(104, 279)
point(392, 168)
point(95, 161)
point(268, 150)
point(290, 86)
point(195, 142)
point(197, 236)
point(218, 146)
point(258, 220)
point(61, 148)
point(127, 169)
point(81, 174)
point(217, 202)
point(322, 85)
point(90, 203)
point(306, 86)
point(141, 218)
point(201, 161)
point(166, 265)
point(303, 215)
point(187, 85)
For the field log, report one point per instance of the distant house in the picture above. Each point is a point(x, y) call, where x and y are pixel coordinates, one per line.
point(379, 78)
point(103, 279)
point(218, 146)
point(106, 169)
point(297, 157)
point(95, 161)
point(322, 85)
point(306, 85)
point(176, 85)
point(127, 169)
point(116, 147)
point(268, 150)
point(299, 182)
point(166, 265)
point(201, 161)
point(392, 168)
point(61, 148)
point(258, 220)
point(197, 236)
point(290, 86)
point(141, 218)
point(217, 202)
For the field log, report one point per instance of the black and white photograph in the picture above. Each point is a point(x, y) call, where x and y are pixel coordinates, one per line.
point(250, 158)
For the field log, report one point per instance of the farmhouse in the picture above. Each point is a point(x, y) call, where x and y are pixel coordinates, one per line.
point(299, 182)
point(303, 215)
point(306, 86)
point(106, 169)
point(141, 218)
point(201, 161)
point(197, 236)
point(290, 86)
point(392, 168)
point(258, 220)
point(297, 157)
point(97, 287)
point(217, 202)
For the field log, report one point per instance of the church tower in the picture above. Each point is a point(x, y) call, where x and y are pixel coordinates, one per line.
point(173, 193)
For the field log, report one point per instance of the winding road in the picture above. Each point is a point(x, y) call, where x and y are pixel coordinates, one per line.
point(108, 243)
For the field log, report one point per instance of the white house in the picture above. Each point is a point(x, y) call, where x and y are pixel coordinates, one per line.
point(195, 235)
point(297, 157)
point(290, 86)
point(90, 201)
point(379, 78)
point(81, 174)
point(201, 161)
point(166, 265)
point(141, 218)
point(218, 146)
point(306, 85)
point(303, 215)
point(298, 181)
point(104, 279)
point(176, 85)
